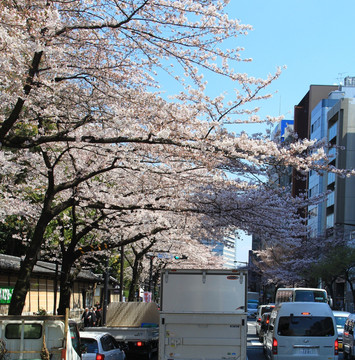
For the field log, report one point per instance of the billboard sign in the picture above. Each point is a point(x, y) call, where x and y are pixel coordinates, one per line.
point(6, 294)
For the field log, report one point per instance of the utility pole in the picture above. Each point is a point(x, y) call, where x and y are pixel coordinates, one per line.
point(107, 276)
point(55, 289)
point(121, 273)
point(150, 273)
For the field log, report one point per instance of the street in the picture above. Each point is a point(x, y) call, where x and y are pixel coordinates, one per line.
point(254, 346)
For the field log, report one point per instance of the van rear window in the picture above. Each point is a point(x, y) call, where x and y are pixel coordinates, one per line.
point(305, 326)
point(310, 295)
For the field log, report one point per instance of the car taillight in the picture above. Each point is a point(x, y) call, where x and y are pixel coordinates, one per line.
point(274, 346)
point(259, 319)
point(139, 343)
point(100, 356)
point(63, 354)
point(336, 347)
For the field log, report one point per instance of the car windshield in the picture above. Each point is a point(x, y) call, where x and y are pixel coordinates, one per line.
point(90, 345)
point(340, 321)
point(305, 326)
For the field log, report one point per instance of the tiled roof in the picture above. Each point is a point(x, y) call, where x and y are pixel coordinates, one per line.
point(10, 263)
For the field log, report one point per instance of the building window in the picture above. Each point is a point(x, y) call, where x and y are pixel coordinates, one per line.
point(315, 125)
point(313, 191)
point(330, 221)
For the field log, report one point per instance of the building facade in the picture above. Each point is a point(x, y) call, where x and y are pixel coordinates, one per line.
point(333, 119)
point(302, 126)
point(43, 295)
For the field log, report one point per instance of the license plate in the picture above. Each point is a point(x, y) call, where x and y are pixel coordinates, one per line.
point(306, 351)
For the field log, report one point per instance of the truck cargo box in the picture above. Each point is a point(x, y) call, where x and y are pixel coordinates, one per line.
point(203, 315)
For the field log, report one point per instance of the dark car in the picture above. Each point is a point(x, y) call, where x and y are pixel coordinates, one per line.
point(264, 323)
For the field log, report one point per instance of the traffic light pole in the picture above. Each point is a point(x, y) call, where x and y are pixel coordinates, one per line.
point(150, 273)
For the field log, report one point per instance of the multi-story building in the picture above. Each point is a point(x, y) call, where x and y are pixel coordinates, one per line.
point(328, 112)
point(333, 118)
point(283, 131)
point(302, 126)
point(318, 184)
point(226, 249)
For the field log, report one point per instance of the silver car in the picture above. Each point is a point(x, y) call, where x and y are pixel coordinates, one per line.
point(340, 318)
point(99, 346)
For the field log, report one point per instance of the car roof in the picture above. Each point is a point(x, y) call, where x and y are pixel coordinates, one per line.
point(341, 313)
point(314, 307)
point(92, 334)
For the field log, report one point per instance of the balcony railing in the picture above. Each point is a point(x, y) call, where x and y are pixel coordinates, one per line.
point(332, 154)
point(330, 200)
point(331, 178)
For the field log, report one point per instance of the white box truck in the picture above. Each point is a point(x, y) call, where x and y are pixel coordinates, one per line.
point(203, 314)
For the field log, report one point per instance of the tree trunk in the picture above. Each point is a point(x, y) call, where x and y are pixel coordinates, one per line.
point(65, 285)
point(24, 276)
point(135, 277)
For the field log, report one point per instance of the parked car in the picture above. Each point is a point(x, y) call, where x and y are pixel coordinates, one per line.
point(264, 323)
point(340, 319)
point(252, 309)
point(261, 310)
point(301, 330)
point(348, 337)
point(100, 346)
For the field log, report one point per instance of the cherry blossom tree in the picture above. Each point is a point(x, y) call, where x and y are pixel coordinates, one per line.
point(307, 261)
point(78, 116)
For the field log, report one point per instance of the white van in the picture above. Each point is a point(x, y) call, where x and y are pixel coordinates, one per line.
point(301, 330)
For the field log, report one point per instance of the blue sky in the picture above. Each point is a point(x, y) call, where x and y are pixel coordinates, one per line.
point(313, 38)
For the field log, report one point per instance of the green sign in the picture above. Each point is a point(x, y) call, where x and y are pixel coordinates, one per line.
point(6, 294)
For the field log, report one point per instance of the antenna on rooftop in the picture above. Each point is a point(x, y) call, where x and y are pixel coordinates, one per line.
point(340, 78)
